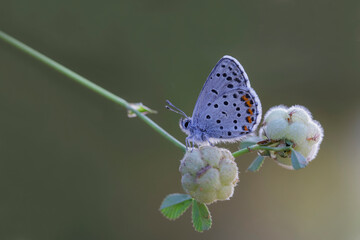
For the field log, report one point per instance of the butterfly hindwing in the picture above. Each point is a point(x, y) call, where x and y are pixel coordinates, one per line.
point(231, 116)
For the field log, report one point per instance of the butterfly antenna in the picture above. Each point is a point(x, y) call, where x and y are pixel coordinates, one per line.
point(173, 108)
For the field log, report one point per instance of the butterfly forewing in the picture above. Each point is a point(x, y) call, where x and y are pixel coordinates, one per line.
point(227, 75)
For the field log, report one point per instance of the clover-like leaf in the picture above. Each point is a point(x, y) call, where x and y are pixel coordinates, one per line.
point(201, 217)
point(256, 164)
point(298, 161)
point(174, 205)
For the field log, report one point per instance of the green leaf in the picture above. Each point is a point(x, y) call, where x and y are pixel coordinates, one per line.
point(298, 161)
point(200, 216)
point(246, 144)
point(141, 108)
point(174, 205)
point(256, 164)
point(289, 142)
point(265, 153)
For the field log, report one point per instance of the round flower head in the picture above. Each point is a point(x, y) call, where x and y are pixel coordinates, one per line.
point(209, 174)
point(296, 125)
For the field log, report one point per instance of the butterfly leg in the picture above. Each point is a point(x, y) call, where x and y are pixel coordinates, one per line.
point(189, 144)
point(206, 139)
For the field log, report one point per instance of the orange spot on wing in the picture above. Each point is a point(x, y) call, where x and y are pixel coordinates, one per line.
point(250, 111)
point(244, 98)
point(249, 119)
point(245, 128)
point(248, 103)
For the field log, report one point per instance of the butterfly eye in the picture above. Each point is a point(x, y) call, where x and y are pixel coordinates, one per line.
point(186, 124)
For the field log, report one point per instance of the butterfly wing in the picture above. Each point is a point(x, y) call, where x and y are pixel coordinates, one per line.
point(227, 71)
point(227, 107)
point(231, 116)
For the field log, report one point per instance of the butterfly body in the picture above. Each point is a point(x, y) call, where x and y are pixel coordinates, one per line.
point(227, 108)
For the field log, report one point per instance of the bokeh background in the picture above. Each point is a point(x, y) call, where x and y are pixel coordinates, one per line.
point(73, 166)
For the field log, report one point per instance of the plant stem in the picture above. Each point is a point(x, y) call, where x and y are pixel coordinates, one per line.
point(259, 147)
point(86, 83)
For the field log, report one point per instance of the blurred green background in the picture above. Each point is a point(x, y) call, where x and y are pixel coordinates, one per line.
point(73, 166)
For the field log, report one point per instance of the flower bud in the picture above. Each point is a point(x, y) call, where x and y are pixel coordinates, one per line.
point(228, 172)
point(296, 132)
point(188, 182)
point(209, 180)
point(224, 192)
point(209, 174)
point(193, 163)
point(276, 113)
point(276, 129)
point(299, 114)
point(294, 124)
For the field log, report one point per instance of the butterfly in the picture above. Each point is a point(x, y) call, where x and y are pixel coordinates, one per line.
point(226, 110)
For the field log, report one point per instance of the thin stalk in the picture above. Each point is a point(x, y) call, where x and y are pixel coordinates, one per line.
point(259, 147)
point(88, 84)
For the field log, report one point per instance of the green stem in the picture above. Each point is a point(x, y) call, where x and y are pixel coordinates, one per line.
point(88, 84)
point(259, 147)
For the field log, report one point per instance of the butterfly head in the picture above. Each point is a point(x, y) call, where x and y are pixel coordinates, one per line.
point(185, 122)
point(185, 125)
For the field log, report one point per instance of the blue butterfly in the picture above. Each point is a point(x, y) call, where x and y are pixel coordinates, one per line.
point(227, 108)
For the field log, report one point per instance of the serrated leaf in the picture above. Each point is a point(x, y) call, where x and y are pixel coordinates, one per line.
point(256, 164)
point(201, 217)
point(141, 108)
point(298, 161)
point(174, 205)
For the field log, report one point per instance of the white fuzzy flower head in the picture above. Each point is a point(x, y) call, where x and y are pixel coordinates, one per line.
point(294, 124)
point(209, 174)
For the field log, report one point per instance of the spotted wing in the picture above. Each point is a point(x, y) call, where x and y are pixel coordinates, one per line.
point(227, 108)
point(226, 75)
point(231, 116)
